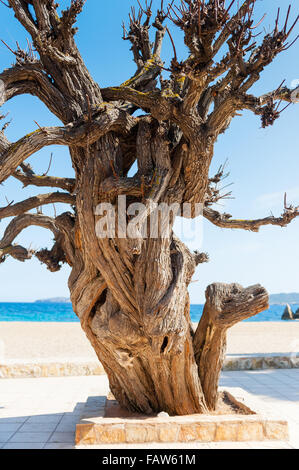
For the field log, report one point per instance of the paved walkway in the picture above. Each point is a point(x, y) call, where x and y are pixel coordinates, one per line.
point(42, 413)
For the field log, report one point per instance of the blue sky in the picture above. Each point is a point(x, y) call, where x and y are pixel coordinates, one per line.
point(263, 164)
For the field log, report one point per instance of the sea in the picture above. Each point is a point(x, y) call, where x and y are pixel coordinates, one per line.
point(62, 312)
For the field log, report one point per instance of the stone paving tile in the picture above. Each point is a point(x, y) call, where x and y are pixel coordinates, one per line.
point(24, 445)
point(253, 389)
point(67, 427)
point(63, 437)
point(269, 382)
point(69, 418)
point(60, 445)
point(47, 418)
point(33, 437)
point(5, 436)
point(12, 420)
point(38, 427)
point(5, 427)
point(292, 373)
point(281, 385)
point(36, 402)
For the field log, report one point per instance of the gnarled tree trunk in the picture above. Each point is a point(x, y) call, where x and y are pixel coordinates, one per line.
point(131, 295)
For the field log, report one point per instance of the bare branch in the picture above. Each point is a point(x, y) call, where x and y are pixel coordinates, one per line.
point(4, 143)
point(35, 201)
point(281, 93)
point(147, 56)
point(29, 178)
point(18, 224)
point(29, 78)
point(161, 105)
point(228, 92)
point(52, 258)
point(24, 16)
point(225, 220)
point(17, 252)
point(79, 134)
point(266, 105)
point(126, 93)
point(53, 39)
point(230, 26)
point(62, 250)
point(23, 57)
point(69, 16)
point(200, 258)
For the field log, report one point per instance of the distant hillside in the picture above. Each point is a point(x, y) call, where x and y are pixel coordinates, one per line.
point(292, 298)
point(56, 300)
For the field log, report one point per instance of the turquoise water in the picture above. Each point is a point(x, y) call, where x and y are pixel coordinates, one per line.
point(62, 312)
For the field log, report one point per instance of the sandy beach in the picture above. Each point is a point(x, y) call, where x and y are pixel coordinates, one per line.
point(23, 341)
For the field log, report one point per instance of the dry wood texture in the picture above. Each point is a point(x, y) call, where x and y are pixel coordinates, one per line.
point(131, 294)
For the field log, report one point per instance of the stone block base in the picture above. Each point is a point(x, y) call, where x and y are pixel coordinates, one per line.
point(104, 422)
